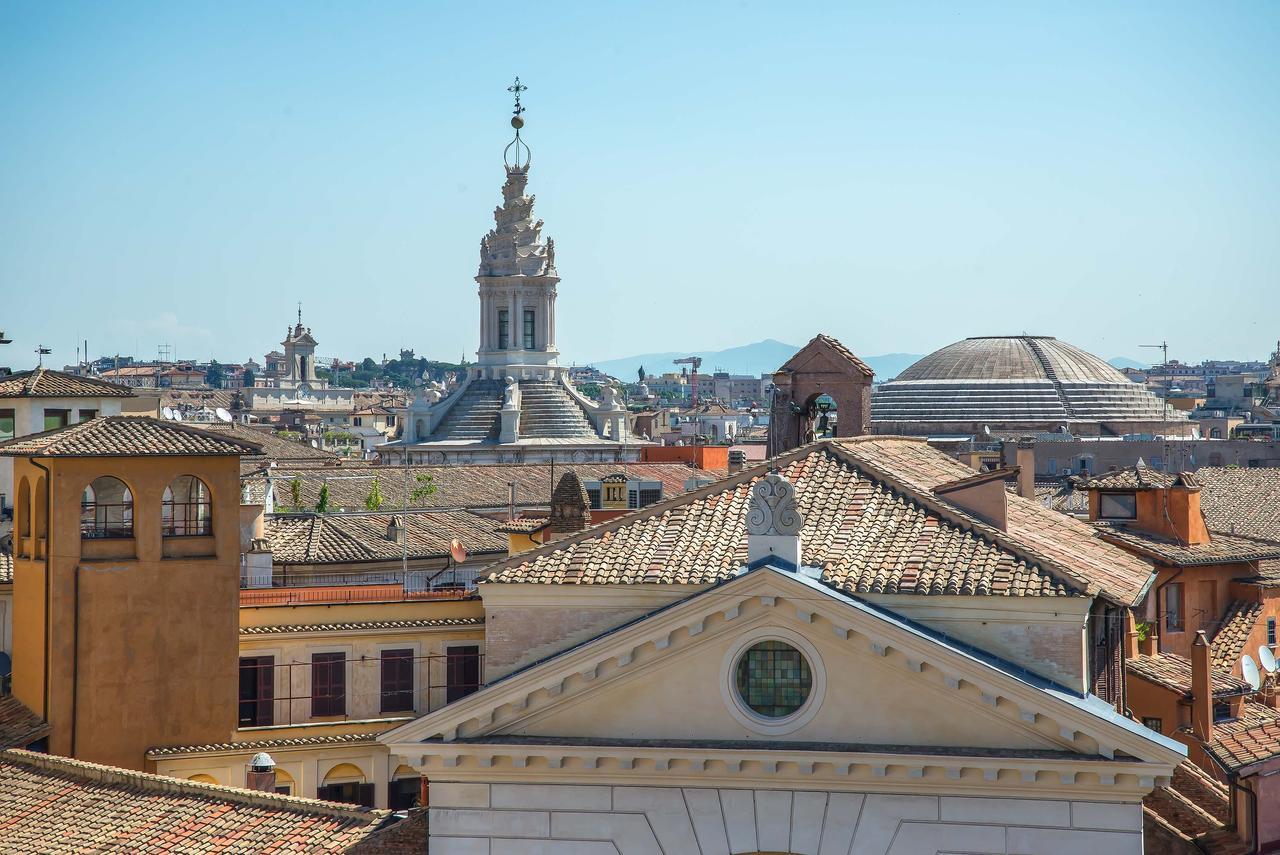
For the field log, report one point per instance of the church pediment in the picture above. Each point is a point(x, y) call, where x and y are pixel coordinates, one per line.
point(773, 660)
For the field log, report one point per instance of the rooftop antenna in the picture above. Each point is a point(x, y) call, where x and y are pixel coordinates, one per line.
point(41, 353)
point(1163, 347)
point(1249, 670)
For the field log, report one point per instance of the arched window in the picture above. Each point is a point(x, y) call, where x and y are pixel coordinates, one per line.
point(185, 509)
point(106, 509)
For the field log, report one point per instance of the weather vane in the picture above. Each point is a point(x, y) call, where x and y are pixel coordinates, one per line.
point(515, 147)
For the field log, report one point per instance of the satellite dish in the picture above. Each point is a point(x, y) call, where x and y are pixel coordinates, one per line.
point(457, 550)
point(315, 444)
point(222, 414)
point(177, 416)
point(1267, 659)
point(1249, 669)
point(167, 412)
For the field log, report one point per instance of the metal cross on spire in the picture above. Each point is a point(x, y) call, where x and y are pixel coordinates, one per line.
point(299, 313)
point(516, 88)
point(517, 155)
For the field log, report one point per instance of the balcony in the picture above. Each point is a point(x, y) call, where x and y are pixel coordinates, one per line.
point(380, 586)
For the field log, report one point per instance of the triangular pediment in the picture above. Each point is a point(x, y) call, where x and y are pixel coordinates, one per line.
point(876, 683)
point(824, 353)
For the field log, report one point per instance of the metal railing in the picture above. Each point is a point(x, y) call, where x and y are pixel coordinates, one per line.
point(361, 587)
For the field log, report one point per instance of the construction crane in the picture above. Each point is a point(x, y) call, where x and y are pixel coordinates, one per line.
point(696, 362)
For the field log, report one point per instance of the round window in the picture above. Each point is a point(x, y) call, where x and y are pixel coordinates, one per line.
point(773, 679)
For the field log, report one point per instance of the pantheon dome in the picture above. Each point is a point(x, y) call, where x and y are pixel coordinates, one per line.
point(1016, 383)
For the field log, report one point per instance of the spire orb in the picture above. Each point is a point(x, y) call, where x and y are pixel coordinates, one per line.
point(517, 122)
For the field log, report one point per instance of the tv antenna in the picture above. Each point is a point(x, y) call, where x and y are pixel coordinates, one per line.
point(41, 353)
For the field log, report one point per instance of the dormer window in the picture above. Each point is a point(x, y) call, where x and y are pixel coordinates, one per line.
point(1118, 506)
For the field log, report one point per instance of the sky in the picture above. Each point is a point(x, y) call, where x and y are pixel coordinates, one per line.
point(900, 176)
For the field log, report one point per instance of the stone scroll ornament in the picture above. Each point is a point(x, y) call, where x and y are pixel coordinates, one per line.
point(773, 508)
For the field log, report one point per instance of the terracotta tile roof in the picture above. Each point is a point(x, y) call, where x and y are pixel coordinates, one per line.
point(1252, 714)
point(524, 525)
point(1062, 496)
point(19, 726)
point(47, 383)
point(840, 350)
point(1241, 501)
point(1221, 548)
point(423, 623)
point(265, 744)
point(1139, 477)
point(125, 436)
point(1072, 547)
point(1174, 673)
point(55, 805)
point(1267, 575)
point(1246, 747)
point(274, 447)
point(466, 486)
point(344, 538)
point(871, 524)
point(1233, 635)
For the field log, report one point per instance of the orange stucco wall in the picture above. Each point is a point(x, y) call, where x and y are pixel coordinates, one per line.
point(1206, 592)
point(142, 632)
point(713, 457)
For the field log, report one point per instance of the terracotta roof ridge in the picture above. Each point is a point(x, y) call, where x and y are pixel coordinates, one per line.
point(165, 784)
point(406, 623)
point(958, 517)
point(656, 509)
point(977, 478)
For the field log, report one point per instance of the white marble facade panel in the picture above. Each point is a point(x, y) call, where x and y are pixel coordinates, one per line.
point(527, 819)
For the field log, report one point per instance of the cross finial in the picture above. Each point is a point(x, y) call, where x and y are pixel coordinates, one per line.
point(516, 88)
point(299, 313)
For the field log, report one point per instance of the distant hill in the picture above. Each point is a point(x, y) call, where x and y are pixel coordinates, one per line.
point(1123, 362)
point(762, 357)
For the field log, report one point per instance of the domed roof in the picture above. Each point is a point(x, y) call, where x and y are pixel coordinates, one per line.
point(1012, 382)
point(1013, 358)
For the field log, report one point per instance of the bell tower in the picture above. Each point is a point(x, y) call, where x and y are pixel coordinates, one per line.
point(517, 276)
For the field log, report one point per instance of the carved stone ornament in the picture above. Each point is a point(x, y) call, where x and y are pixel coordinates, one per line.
point(773, 508)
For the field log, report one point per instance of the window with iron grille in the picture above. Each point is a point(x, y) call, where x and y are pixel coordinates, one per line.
point(773, 679)
point(593, 496)
point(185, 508)
point(397, 680)
point(1271, 631)
point(1153, 724)
point(328, 684)
point(650, 496)
point(106, 509)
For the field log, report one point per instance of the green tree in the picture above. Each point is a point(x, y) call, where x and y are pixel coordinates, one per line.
point(591, 390)
point(213, 376)
point(322, 503)
point(295, 493)
point(249, 379)
point(373, 501)
point(368, 364)
point(426, 486)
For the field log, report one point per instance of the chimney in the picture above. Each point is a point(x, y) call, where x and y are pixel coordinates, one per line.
point(737, 460)
point(262, 773)
point(395, 529)
point(1026, 462)
point(570, 508)
point(982, 495)
point(774, 521)
point(1201, 688)
point(1150, 645)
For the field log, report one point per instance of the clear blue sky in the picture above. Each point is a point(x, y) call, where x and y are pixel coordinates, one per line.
point(897, 175)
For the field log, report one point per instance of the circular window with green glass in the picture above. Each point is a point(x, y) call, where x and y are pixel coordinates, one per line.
point(773, 679)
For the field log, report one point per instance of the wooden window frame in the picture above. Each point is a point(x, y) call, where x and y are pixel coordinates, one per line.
point(397, 690)
point(328, 694)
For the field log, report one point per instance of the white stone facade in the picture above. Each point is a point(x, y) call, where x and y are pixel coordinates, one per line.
point(531, 819)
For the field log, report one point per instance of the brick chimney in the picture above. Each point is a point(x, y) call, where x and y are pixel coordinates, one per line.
point(1026, 462)
point(1202, 688)
point(261, 775)
point(570, 508)
point(1150, 645)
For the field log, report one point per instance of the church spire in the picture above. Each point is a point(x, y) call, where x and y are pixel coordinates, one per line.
point(517, 150)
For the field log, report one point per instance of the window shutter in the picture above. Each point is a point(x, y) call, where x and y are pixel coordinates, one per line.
point(366, 795)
